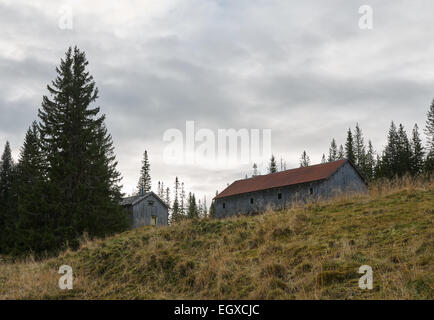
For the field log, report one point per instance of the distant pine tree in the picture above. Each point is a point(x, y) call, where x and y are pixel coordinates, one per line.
point(349, 147)
point(429, 131)
point(417, 161)
point(304, 160)
point(7, 201)
point(144, 184)
point(333, 151)
point(341, 154)
point(255, 170)
point(83, 190)
point(205, 208)
point(192, 211)
point(273, 167)
point(405, 156)
point(183, 201)
point(323, 159)
point(359, 150)
point(176, 209)
point(389, 164)
point(369, 169)
point(167, 197)
point(212, 207)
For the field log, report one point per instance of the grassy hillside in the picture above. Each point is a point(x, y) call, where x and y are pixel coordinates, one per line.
point(310, 252)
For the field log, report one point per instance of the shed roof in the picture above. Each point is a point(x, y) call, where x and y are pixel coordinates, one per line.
point(135, 199)
point(283, 178)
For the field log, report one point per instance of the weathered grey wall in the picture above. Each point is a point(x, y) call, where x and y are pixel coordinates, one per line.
point(345, 179)
point(141, 213)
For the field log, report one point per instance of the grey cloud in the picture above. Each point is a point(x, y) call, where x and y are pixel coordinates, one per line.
point(303, 69)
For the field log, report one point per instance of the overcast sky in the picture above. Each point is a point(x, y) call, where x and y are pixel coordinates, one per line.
point(303, 69)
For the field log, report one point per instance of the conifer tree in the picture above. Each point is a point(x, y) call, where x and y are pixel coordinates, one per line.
point(144, 184)
point(417, 161)
point(389, 164)
point(34, 232)
point(176, 210)
point(282, 164)
point(273, 167)
point(349, 147)
point(192, 211)
point(304, 159)
point(341, 154)
point(160, 192)
point(83, 184)
point(205, 208)
point(212, 207)
point(404, 161)
point(255, 170)
point(369, 162)
point(167, 197)
point(429, 131)
point(7, 200)
point(333, 151)
point(323, 159)
point(200, 209)
point(359, 150)
point(183, 203)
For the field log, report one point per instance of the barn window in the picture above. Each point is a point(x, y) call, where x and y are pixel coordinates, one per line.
point(279, 195)
point(153, 221)
point(151, 202)
point(251, 200)
point(310, 190)
point(224, 205)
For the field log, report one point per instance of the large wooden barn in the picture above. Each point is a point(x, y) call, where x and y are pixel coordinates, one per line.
point(281, 189)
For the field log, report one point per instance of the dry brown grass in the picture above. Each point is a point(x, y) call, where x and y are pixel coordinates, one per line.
point(306, 252)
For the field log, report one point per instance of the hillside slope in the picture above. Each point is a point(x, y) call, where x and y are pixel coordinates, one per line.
point(310, 252)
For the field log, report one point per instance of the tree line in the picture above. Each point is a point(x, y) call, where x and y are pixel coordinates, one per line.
point(182, 206)
point(403, 153)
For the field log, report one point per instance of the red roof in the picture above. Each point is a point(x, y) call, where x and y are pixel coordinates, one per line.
point(283, 178)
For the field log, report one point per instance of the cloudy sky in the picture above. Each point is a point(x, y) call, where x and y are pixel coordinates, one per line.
point(303, 69)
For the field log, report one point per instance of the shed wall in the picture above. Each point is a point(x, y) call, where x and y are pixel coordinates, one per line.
point(141, 213)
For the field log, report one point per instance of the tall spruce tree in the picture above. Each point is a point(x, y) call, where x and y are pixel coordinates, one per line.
point(389, 164)
point(176, 208)
point(273, 166)
point(7, 201)
point(192, 211)
point(304, 159)
point(34, 231)
point(349, 147)
point(144, 184)
point(369, 167)
point(359, 150)
point(405, 156)
point(417, 161)
point(83, 184)
point(333, 151)
point(323, 158)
